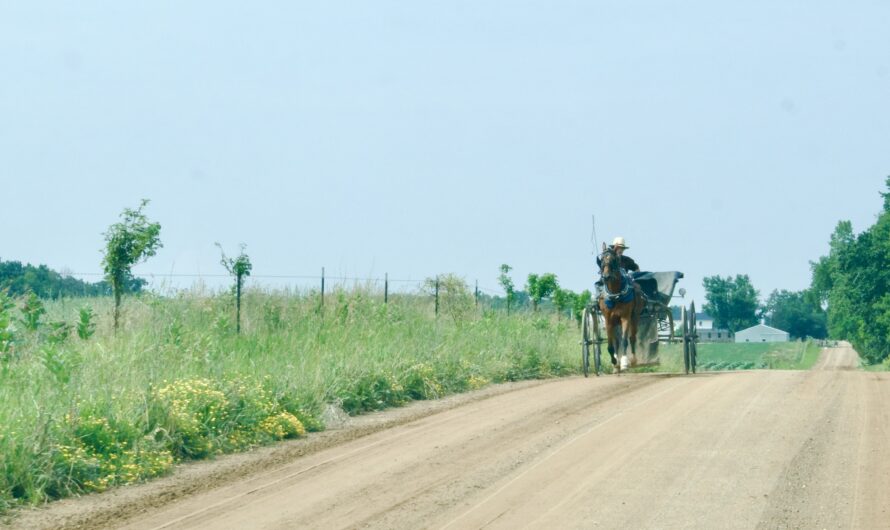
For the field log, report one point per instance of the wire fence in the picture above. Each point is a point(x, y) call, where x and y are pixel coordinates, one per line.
point(324, 284)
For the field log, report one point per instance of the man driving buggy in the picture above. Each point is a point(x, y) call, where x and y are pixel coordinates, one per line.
point(627, 263)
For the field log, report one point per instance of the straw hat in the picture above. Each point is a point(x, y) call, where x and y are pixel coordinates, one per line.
point(619, 242)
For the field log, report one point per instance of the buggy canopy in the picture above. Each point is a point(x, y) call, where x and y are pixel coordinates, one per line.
point(658, 285)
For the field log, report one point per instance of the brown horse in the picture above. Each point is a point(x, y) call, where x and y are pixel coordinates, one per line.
point(621, 304)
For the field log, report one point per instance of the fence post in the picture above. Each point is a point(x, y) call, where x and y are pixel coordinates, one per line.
point(322, 287)
point(238, 305)
point(437, 296)
point(386, 288)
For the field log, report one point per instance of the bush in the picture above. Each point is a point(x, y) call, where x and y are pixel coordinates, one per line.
point(528, 366)
point(372, 392)
point(193, 414)
point(420, 382)
point(283, 425)
point(200, 417)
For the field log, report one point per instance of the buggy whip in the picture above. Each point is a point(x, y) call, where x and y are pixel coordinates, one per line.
point(593, 234)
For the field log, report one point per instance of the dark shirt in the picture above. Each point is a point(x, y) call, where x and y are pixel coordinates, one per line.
point(627, 263)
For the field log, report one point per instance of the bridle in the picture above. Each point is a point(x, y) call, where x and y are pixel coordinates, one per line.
point(614, 270)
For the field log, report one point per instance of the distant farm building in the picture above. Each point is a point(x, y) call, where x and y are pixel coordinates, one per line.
point(761, 333)
point(704, 325)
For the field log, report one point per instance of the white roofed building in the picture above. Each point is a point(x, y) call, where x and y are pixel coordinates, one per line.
point(761, 333)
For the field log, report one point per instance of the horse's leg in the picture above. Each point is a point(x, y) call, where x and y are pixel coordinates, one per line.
point(611, 343)
point(631, 325)
point(625, 332)
point(632, 335)
point(610, 337)
point(616, 331)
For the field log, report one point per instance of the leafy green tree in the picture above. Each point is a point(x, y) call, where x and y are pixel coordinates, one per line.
point(826, 270)
point(455, 297)
point(540, 287)
point(854, 281)
point(507, 284)
point(580, 303)
point(731, 301)
point(128, 242)
point(19, 280)
point(564, 300)
point(240, 268)
point(798, 313)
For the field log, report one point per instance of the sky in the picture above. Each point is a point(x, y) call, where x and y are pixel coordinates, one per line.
point(417, 138)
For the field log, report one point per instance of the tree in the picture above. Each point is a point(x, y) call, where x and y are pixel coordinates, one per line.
point(854, 281)
point(19, 280)
point(580, 304)
point(798, 313)
point(507, 283)
point(563, 299)
point(128, 242)
point(825, 271)
point(455, 297)
point(731, 301)
point(240, 268)
point(540, 287)
point(886, 195)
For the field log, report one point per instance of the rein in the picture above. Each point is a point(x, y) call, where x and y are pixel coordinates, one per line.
point(620, 294)
point(626, 284)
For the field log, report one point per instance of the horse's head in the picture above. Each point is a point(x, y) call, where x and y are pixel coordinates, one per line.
point(610, 264)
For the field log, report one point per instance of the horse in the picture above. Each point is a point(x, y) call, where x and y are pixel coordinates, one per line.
point(621, 304)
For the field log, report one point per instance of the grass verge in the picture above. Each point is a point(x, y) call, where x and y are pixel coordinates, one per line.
point(177, 383)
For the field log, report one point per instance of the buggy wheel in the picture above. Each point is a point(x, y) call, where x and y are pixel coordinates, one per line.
point(586, 334)
point(684, 317)
point(693, 339)
point(597, 345)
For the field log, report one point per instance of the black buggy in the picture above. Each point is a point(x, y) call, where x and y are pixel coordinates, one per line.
point(656, 324)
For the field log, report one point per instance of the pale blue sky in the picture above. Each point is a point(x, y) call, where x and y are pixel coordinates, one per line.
point(423, 137)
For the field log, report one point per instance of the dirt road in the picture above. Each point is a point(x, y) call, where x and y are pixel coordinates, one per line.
point(754, 449)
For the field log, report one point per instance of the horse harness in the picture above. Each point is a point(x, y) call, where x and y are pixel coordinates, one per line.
point(626, 294)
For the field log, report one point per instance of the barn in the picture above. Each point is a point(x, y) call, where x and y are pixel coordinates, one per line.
point(761, 333)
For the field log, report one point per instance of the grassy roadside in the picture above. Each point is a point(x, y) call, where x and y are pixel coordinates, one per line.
point(880, 367)
point(178, 384)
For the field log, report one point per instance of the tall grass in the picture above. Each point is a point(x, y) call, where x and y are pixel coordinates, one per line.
point(178, 383)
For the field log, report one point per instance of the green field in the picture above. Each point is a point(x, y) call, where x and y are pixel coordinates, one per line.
point(717, 356)
point(177, 383)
